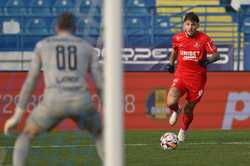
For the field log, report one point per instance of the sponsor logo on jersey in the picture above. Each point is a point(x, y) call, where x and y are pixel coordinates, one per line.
point(67, 79)
point(190, 55)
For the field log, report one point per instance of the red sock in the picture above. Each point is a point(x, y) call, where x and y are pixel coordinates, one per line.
point(186, 121)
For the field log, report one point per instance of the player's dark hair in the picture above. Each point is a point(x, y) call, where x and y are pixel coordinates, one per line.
point(191, 16)
point(67, 21)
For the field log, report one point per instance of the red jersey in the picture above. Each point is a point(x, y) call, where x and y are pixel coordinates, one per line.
point(190, 51)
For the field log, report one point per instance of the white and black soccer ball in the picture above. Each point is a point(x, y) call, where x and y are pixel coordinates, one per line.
point(169, 141)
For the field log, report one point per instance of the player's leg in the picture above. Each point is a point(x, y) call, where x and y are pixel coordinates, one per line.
point(23, 142)
point(175, 93)
point(186, 119)
point(194, 95)
point(88, 118)
point(39, 121)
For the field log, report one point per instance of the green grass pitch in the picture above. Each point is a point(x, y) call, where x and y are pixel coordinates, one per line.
point(202, 148)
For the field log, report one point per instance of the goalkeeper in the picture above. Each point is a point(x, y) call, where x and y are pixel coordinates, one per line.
point(66, 60)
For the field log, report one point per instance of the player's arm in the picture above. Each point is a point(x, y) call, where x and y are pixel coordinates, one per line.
point(96, 72)
point(210, 59)
point(213, 58)
point(173, 55)
point(172, 59)
point(25, 93)
point(213, 54)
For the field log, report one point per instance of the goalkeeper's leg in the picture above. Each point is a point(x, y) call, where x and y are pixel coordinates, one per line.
point(22, 144)
point(88, 118)
point(40, 120)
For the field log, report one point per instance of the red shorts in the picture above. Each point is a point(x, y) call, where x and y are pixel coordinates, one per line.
point(194, 89)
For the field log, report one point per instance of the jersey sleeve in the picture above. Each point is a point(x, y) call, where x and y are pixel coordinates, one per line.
point(96, 71)
point(210, 47)
point(31, 79)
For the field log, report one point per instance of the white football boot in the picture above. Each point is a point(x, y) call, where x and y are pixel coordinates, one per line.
point(174, 117)
point(182, 135)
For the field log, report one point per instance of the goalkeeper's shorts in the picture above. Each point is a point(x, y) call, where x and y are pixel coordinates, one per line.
point(47, 116)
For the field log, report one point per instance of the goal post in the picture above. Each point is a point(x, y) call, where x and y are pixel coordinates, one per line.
point(113, 88)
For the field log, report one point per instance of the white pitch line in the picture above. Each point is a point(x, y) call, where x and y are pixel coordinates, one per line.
point(92, 145)
point(65, 146)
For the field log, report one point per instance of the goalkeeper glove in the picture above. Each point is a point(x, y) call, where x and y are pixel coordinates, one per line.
point(12, 122)
point(204, 63)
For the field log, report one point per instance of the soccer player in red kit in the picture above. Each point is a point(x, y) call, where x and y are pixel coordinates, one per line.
point(193, 51)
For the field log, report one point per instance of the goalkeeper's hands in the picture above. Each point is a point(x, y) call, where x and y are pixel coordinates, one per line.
point(170, 68)
point(12, 122)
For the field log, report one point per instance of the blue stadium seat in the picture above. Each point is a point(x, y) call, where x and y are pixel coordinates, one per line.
point(61, 6)
point(137, 40)
point(88, 27)
point(36, 26)
point(40, 7)
point(93, 6)
point(246, 25)
point(136, 3)
point(161, 25)
point(88, 3)
point(29, 41)
point(2, 5)
point(15, 8)
point(161, 41)
point(137, 25)
point(246, 9)
point(9, 42)
point(136, 11)
point(136, 7)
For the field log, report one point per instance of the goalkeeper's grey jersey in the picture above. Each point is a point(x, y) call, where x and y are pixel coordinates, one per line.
point(65, 60)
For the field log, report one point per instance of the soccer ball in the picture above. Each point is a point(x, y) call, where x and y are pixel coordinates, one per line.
point(169, 141)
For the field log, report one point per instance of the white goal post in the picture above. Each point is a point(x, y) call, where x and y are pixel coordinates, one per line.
point(113, 89)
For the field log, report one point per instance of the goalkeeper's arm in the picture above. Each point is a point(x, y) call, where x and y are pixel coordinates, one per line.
point(97, 74)
point(25, 94)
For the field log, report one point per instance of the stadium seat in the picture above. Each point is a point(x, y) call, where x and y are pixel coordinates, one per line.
point(2, 5)
point(136, 7)
point(88, 26)
point(137, 25)
point(162, 25)
point(36, 26)
point(162, 41)
point(246, 25)
point(63, 5)
point(93, 6)
point(9, 42)
point(246, 9)
point(40, 7)
point(139, 3)
point(136, 11)
point(15, 8)
point(29, 41)
point(88, 3)
point(137, 40)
